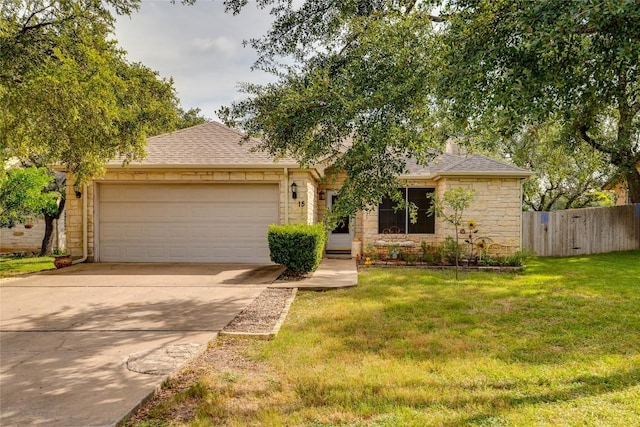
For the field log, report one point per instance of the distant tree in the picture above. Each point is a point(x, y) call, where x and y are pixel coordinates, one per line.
point(191, 117)
point(565, 177)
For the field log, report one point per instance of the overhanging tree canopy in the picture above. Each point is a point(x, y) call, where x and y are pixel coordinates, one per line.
point(575, 62)
point(366, 82)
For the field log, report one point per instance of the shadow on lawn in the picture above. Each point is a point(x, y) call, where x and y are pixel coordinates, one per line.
point(443, 323)
point(579, 387)
point(511, 397)
point(548, 328)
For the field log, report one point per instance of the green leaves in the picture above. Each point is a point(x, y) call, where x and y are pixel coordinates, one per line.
point(24, 195)
point(358, 99)
point(573, 64)
point(299, 247)
point(69, 95)
point(452, 205)
point(566, 176)
point(376, 81)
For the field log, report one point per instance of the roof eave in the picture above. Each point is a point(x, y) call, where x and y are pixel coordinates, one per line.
point(204, 166)
point(485, 174)
point(420, 176)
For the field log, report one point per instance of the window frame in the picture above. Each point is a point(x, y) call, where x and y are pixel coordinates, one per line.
point(407, 222)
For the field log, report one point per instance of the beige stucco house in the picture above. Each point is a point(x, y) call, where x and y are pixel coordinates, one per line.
point(201, 196)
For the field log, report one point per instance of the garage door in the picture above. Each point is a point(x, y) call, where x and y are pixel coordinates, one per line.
point(185, 223)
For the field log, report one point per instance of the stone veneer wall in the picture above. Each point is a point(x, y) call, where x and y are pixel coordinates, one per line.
point(73, 210)
point(297, 213)
point(21, 239)
point(497, 209)
point(303, 210)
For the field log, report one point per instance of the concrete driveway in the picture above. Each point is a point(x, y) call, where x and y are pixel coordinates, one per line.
point(82, 346)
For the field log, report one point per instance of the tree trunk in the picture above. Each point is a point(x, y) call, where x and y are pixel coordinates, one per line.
point(633, 182)
point(47, 242)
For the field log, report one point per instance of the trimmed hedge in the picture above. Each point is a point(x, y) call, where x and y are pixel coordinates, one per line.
point(299, 247)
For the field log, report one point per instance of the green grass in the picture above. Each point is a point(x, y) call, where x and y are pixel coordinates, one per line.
point(556, 345)
point(16, 266)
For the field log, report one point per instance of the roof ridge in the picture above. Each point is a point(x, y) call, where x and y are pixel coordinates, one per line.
point(191, 128)
point(238, 132)
point(461, 159)
point(172, 132)
point(501, 161)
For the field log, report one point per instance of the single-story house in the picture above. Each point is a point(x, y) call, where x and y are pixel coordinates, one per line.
point(202, 196)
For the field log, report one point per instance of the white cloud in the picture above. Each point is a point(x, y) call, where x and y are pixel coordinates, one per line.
point(199, 46)
point(217, 46)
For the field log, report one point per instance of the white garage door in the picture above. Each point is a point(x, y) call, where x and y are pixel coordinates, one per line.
point(185, 223)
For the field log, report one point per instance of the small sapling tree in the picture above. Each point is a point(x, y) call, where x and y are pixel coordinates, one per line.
point(450, 208)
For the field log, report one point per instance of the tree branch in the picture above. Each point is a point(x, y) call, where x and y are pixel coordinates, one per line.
point(26, 26)
point(582, 129)
point(434, 18)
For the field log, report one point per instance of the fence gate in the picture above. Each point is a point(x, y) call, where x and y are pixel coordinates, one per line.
point(582, 231)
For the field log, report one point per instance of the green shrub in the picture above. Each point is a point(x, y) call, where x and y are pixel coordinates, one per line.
point(448, 249)
point(430, 253)
point(298, 247)
point(371, 252)
point(518, 258)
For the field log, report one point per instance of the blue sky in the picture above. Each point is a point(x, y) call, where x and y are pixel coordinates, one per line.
point(199, 46)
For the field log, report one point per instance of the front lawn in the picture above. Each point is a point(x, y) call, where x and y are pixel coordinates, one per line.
point(556, 345)
point(12, 266)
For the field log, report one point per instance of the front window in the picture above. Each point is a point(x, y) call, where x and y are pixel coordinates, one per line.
point(397, 221)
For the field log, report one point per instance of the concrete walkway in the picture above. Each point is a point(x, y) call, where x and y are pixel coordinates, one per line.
point(331, 274)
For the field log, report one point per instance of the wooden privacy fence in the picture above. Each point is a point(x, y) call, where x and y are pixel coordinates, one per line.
point(582, 231)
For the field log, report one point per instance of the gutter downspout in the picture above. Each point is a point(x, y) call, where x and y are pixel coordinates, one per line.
point(286, 195)
point(85, 244)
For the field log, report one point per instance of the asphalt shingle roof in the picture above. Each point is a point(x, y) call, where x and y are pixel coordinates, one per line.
point(460, 164)
point(214, 144)
point(210, 143)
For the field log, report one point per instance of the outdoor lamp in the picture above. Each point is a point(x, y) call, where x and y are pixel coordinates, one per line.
point(76, 189)
point(322, 195)
point(294, 191)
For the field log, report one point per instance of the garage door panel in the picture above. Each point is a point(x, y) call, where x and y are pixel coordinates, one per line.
point(186, 223)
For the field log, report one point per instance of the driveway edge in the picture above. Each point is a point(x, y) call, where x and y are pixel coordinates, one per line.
point(163, 381)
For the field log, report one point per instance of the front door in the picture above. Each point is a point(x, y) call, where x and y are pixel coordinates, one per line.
point(340, 238)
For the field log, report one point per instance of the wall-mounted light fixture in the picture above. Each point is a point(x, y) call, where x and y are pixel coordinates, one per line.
point(322, 195)
point(294, 191)
point(76, 189)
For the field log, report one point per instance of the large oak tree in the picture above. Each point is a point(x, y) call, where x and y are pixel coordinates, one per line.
point(68, 96)
point(362, 83)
